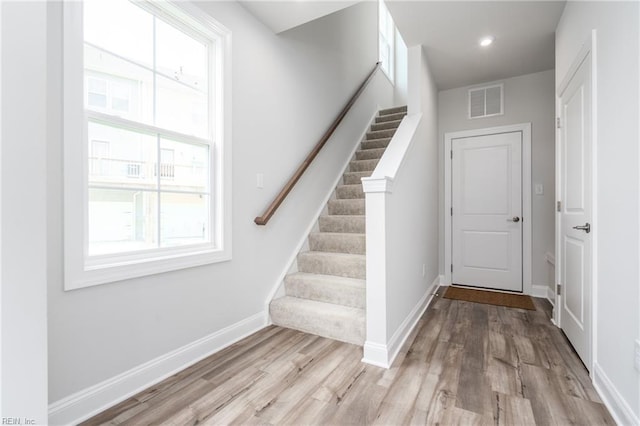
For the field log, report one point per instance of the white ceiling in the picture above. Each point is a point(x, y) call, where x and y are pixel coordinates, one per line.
point(283, 15)
point(449, 32)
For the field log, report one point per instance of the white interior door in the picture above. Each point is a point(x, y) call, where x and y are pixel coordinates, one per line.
point(576, 209)
point(486, 185)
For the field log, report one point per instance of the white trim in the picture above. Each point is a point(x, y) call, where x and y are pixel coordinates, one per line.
point(620, 410)
point(88, 402)
point(373, 184)
point(294, 254)
point(383, 355)
point(588, 48)
point(525, 129)
point(551, 296)
point(539, 290)
point(80, 270)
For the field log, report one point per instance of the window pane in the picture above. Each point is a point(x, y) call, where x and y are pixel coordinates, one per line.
point(129, 86)
point(121, 158)
point(184, 219)
point(120, 27)
point(122, 221)
point(181, 108)
point(181, 57)
point(184, 167)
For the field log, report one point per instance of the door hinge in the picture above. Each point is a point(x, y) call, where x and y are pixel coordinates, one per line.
point(559, 290)
point(452, 267)
point(558, 125)
point(451, 211)
point(559, 206)
point(452, 154)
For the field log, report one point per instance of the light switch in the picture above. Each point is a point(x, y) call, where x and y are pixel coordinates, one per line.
point(539, 189)
point(260, 180)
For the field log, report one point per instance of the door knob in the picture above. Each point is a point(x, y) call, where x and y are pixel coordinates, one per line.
point(514, 219)
point(586, 227)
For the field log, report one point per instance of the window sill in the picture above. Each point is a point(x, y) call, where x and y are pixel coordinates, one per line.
point(104, 273)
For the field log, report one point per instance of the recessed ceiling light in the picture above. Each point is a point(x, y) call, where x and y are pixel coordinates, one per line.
point(486, 41)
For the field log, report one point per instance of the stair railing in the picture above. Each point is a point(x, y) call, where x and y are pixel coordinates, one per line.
point(286, 189)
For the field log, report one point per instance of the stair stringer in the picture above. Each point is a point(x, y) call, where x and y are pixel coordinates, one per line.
point(303, 245)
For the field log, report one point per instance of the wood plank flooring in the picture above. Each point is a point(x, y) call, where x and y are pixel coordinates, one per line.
point(465, 363)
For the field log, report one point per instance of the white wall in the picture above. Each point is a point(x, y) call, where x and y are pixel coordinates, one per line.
point(401, 64)
point(412, 215)
point(23, 329)
point(402, 221)
point(287, 89)
point(527, 98)
point(617, 137)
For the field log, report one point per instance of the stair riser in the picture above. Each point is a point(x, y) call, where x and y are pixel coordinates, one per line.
point(349, 192)
point(390, 117)
point(338, 243)
point(343, 329)
point(355, 225)
point(363, 165)
point(375, 144)
point(370, 154)
point(354, 178)
point(380, 134)
point(346, 207)
point(326, 292)
point(386, 125)
point(353, 267)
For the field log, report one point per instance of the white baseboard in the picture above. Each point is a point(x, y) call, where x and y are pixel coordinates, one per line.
point(615, 403)
point(551, 296)
point(383, 355)
point(90, 401)
point(539, 290)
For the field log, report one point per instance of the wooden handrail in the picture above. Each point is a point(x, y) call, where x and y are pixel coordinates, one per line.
point(268, 213)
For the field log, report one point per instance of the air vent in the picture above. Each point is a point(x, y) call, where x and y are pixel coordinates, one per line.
point(486, 101)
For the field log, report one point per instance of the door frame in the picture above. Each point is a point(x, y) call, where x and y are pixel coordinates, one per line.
point(525, 129)
point(588, 49)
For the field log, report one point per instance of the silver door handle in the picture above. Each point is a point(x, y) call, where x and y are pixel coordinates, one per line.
point(514, 219)
point(586, 227)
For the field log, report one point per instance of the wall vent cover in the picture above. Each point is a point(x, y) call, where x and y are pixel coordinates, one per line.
point(486, 101)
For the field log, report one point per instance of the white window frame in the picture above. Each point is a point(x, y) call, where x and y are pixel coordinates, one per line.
point(390, 71)
point(83, 271)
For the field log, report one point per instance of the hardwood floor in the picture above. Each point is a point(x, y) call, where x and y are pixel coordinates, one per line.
point(465, 363)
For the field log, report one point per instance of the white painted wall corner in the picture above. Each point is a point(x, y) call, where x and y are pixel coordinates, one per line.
point(620, 410)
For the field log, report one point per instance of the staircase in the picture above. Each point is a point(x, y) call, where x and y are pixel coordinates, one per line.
point(327, 295)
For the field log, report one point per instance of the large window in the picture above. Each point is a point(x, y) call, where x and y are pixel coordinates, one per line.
point(386, 40)
point(146, 188)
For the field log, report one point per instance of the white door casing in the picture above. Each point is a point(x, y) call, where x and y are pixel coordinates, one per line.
point(525, 130)
point(575, 217)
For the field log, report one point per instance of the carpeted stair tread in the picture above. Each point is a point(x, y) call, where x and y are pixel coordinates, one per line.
point(327, 288)
point(390, 117)
point(394, 110)
point(363, 165)
point(337, 242)
point(344, 192)
point(379, 134)
point(369, 154)
point(339, 264)
point(337, 322)
point(375, 143)
point(348, 207)
point(353, 178)
point(342, 223)
point(386, 125)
